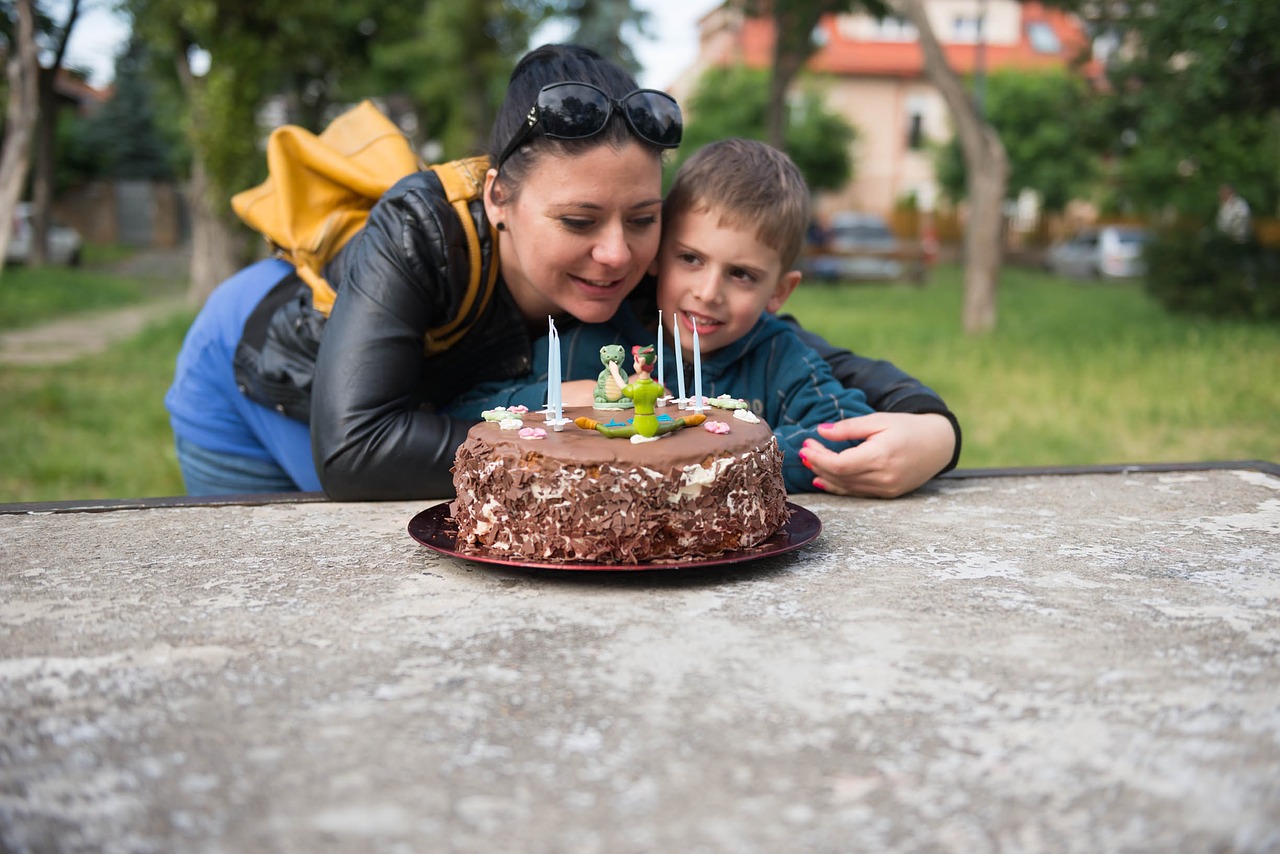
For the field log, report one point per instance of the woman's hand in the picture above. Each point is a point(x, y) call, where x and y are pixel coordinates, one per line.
point(899, 452)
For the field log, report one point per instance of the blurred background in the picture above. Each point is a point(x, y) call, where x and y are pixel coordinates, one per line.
point(1063, 216)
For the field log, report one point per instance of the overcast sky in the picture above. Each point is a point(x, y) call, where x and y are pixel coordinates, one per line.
point(99, 34)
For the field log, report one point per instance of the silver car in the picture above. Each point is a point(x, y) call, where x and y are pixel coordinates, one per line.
point(1109, 252)
point(65, 243)
point(858, 246)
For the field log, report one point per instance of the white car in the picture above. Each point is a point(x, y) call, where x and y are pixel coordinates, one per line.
point(65, 243)
point(1110, 251)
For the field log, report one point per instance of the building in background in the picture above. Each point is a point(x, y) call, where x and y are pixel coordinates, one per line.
point(874, 75)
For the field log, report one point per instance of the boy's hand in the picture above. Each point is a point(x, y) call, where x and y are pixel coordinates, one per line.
point(899, 452)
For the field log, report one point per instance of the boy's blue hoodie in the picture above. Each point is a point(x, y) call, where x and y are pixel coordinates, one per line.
point(783, 380)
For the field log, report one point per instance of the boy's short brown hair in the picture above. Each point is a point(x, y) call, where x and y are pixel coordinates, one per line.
point(751, 185)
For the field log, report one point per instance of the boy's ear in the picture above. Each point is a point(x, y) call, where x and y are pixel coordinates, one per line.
point(782, 291)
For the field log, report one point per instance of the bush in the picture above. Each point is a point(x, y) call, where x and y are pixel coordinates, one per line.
point(1208, 273)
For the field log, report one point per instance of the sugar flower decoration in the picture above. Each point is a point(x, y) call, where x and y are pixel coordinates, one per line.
point(532, 433)
point(511, 424)
point(746, 415)
point(724, 401)
point(719, 427)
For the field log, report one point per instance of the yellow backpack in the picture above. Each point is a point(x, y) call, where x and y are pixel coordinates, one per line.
point(320, 189)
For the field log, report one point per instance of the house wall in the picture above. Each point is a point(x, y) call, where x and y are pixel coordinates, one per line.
point(872, 72)
point(886, 169)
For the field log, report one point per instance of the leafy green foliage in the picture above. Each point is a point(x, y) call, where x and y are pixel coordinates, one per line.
point(1051, 131)
point(454, 63)
point(124, 136)
point(1197, 102)
point(732, 101)
point(1210, 274)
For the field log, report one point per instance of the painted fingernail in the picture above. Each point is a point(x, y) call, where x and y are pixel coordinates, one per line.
point(804, 458)
point(819, 484)
point(826, 426)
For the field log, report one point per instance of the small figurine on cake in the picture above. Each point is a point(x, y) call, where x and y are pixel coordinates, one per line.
point(609, 387)
point(644, 394)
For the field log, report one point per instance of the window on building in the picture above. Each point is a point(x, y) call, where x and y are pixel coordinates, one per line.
point(966, 28)
point(895, 29)
point(1042, 37)
point(915, 131)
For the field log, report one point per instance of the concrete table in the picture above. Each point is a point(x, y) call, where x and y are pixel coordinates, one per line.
point(1066, 661)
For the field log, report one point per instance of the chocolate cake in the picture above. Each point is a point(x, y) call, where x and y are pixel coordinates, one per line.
point(576, 495)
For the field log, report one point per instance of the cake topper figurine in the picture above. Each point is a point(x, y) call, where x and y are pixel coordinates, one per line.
point(646, 425)
point(609, 394)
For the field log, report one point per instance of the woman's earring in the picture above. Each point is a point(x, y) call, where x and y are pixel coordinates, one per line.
point(502, 226)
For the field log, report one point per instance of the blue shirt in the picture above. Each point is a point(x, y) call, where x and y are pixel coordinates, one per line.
point(783, 380)
point(206, 406)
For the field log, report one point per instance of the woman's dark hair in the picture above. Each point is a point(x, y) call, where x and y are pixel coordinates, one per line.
point(542, 66)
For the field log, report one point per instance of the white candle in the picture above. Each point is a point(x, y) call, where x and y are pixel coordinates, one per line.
point(697, 367)
point(680, 398)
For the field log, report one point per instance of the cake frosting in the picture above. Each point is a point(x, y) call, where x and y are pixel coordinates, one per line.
point(576, 495)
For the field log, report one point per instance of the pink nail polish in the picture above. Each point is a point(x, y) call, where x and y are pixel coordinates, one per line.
point(826, 426)
point(819, 484)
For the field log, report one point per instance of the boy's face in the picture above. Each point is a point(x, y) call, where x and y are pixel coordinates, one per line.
point(722, 277)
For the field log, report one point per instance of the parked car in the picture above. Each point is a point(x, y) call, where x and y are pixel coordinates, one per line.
point(1110, 251)
point(857, 246)
point(65, 243)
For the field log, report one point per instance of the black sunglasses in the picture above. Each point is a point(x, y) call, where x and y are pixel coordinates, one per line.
point(580, 110)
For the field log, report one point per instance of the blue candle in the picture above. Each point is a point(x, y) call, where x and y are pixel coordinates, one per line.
point(680, 398)
point(697, 367)
point(660, 382)
point(555, 405)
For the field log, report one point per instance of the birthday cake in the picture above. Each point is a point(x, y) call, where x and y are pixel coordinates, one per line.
point(526, 491)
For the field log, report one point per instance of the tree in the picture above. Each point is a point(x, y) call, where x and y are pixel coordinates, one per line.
point(23, 68)
point(255, 48)
point(1049, 125)
point(455, 63)
point(600, 25)
point(124, 134)
point(987, 167)
point(732, 101)
point(1197, 101)
point(794, 22)
point(46, 137)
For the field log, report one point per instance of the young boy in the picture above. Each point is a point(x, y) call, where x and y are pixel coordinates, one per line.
point(733, 226)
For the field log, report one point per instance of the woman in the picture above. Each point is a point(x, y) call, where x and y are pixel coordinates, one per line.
point(574, 193)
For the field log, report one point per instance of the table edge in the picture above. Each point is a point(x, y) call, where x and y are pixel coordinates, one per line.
point(102, 505)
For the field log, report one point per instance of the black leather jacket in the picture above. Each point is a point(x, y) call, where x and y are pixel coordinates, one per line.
point(375, 434)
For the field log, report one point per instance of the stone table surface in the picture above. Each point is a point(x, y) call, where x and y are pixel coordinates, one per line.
point(1079, 662)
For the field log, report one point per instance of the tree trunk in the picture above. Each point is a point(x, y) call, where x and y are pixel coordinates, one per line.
point(217, 243)
point(21, 115)
point(46, 141)
point(987, 168)
point(42, 177)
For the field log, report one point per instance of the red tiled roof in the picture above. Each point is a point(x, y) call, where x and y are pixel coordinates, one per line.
point(844, 56)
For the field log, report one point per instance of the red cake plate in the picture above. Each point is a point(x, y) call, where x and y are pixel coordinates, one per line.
point(436, 530)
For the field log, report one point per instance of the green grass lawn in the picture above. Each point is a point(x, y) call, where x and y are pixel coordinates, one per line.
point(1074, 374)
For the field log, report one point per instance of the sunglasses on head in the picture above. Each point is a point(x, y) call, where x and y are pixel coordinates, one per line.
point(580, 110)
